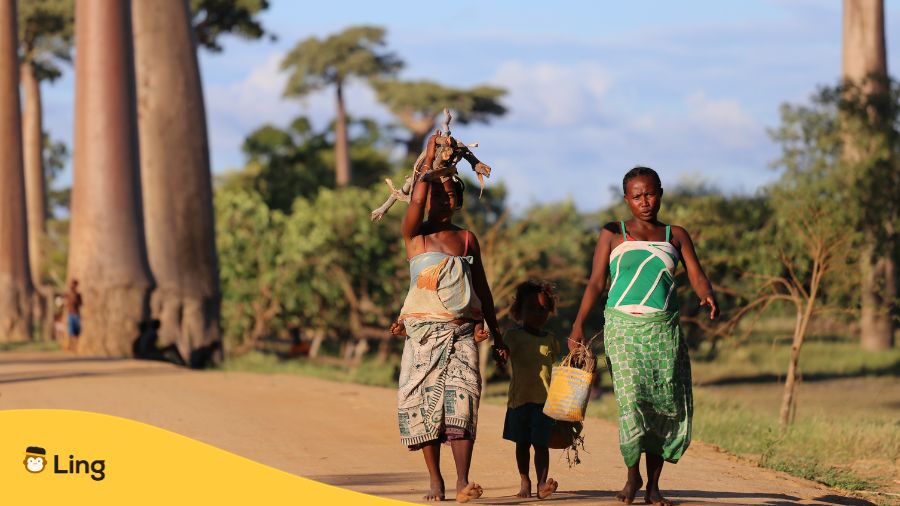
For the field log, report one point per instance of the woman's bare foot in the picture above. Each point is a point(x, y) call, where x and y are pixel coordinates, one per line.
point(468, 492)
point(628, 492)
point(655, 498)
point(525, 489)
point(547, 488)
point(437, 491)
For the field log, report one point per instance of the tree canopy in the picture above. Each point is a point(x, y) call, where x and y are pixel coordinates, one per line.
point(315, 63)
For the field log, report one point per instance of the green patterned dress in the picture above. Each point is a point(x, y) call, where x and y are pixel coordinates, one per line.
point(649, 362)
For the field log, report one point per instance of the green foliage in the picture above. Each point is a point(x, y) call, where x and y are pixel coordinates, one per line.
point(213, 18)
point(419, 104)
point(350, 279)
point(284, 164)
point(252, 270)
point(316, 63)
point(46, 30)
point(56, 155)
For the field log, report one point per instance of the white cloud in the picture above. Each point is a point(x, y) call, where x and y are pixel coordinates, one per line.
point(724, 120)
point(552, 94)
point(237, 108)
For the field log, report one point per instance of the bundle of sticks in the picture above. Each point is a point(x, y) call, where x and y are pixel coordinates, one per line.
point(450, 151)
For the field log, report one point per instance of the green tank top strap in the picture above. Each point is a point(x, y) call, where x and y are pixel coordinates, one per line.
point(668, 232)
point(624, 235)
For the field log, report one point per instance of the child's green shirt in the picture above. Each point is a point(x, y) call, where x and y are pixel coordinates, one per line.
point(531, 359)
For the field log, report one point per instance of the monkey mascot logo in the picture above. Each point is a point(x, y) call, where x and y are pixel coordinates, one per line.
point(35, 459)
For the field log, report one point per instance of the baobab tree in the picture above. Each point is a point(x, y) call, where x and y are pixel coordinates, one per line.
point(106, 253)
point(45, 39)
point(176, 182)
point(316, 63)
point(865, 72)
point(15, 280)
point(418, 104)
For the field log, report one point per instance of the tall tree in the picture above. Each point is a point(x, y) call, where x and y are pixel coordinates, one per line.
point(45, 39)
point(106, 253)
point(865, 70)
point(176, 181)
point(213, 18)
point(15, 280)
point(417, 105)
point(316, 63)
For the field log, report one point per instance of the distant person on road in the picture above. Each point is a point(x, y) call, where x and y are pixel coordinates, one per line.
point(645, 352)
point(73, 311)
point(442, 319)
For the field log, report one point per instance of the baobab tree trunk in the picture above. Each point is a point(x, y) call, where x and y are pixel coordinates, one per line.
point(419, 129)
point(343, 172)
point(865, 63)
point(106, 253)
point(176, 181)
point(36, 194)
point(15, 279)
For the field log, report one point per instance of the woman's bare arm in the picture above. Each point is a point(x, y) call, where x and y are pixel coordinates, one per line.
point(483, 291)
point(699, 282)
point(596, 285)
point(415, 212)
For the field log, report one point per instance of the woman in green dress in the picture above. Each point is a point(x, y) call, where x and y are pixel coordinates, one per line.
point(647, 358)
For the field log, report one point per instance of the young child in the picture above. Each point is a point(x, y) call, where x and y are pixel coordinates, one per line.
point(532, 352)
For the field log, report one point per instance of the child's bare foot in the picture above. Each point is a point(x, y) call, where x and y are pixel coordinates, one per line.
point(525, 489)
point(655, 498)
point(437, 491)
point(547, 488)
point(468, 492)
point(628, 492)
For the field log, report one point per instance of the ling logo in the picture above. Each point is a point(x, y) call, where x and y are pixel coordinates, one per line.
point(35, 459)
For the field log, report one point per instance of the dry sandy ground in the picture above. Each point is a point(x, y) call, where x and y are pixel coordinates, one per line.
point(346, 434)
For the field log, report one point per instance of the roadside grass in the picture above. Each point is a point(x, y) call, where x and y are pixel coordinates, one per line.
point(31, 346)
point(765, 358)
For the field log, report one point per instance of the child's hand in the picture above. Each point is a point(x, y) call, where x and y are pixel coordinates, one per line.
point(501, 353)
point(481, 334)
point(398, 329)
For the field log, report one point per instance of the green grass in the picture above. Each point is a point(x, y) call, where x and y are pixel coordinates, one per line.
point(817, 357)
point(31, 346)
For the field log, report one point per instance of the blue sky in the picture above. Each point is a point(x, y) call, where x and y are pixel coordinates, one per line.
point(595, 88)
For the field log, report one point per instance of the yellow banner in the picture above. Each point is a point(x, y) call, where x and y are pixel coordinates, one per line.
point(52, 456)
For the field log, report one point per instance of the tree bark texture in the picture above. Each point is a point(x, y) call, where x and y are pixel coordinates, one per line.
point(343, 172)
point(106, 251)
point(865, 62)
point(176, 181)
point(16, 290)
point(35, 191)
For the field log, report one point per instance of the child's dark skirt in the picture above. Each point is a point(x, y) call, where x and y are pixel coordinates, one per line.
point(527, 424)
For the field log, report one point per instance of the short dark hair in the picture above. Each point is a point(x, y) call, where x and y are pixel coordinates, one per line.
point(640, 171)
point(533, 287)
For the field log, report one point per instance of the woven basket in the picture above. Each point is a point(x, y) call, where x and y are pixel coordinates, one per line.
point(570, 387)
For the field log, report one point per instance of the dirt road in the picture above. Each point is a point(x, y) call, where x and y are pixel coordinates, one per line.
point(346, 435)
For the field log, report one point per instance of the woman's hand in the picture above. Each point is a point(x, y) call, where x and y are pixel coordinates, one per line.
point(398, 329)
point(710, 300)
point(576, 338)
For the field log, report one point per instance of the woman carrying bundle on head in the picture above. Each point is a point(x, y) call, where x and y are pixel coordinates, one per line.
point(442, 318)
point(647, 358)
